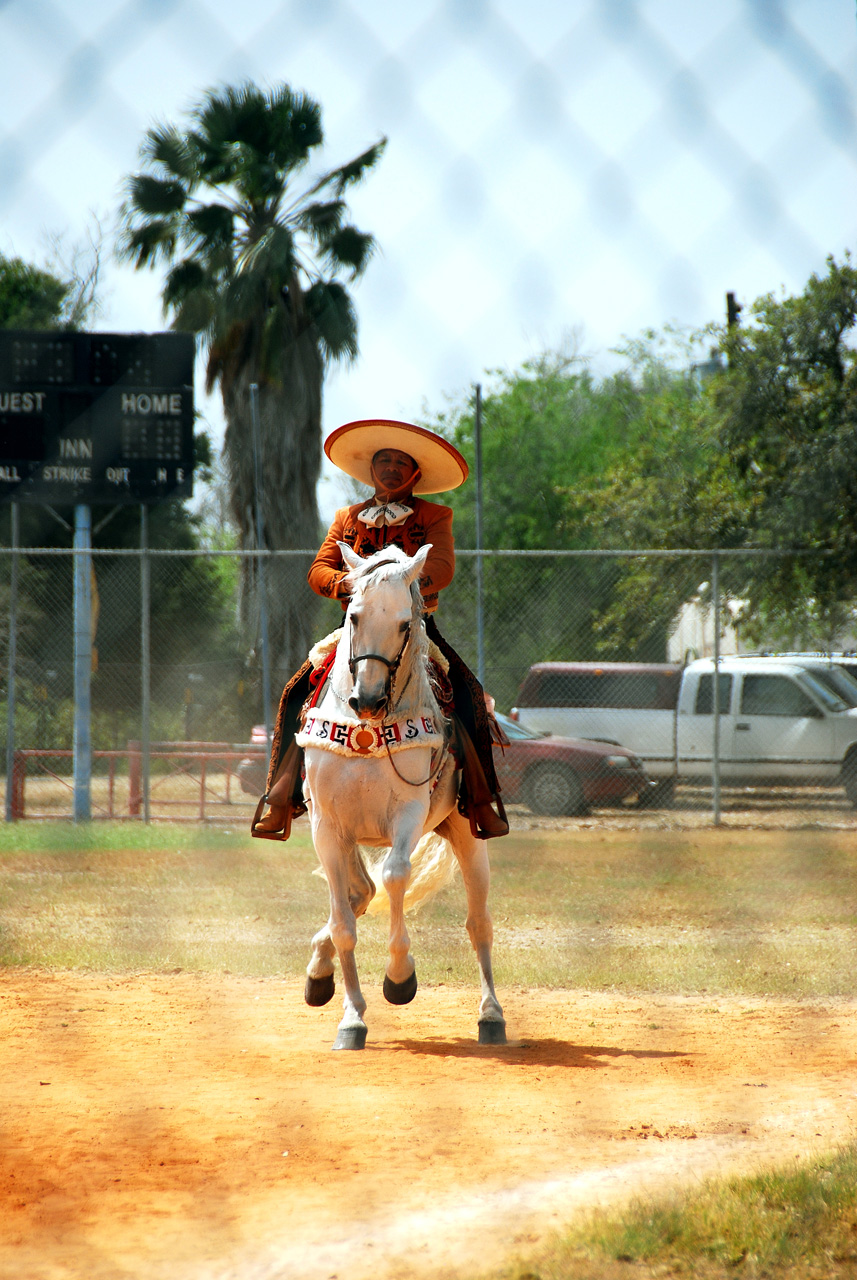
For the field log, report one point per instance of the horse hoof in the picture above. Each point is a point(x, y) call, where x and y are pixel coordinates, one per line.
point(492, 1033)
point(319, 990)
point(400, 992)
point(350, 1038)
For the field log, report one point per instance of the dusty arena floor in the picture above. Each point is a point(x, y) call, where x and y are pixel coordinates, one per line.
point(187, 1127)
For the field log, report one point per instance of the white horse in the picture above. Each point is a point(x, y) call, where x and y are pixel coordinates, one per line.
point(379, 773)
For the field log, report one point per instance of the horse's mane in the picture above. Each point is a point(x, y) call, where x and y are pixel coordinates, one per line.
point(382, 566)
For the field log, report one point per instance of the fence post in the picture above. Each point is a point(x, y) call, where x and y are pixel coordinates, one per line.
point(262, 568)
point(480, 598)
point(715, 693)
point(13, 662)
point(19, 773)
point(134, 789)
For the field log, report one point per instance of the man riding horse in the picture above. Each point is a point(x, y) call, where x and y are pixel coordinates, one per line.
point(401, 462)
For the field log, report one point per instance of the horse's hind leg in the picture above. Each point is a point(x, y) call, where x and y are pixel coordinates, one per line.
point(320, 984)
point(472, 855)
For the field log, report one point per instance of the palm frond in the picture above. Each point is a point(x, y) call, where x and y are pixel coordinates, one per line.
point(156, 197)
point(349, 247)
point(356, 169)
point(294, 128)
point(185, 277)
point(145, 244)
point(330, 307)
point(321, 218)
point(211, 224)
point(165, 145)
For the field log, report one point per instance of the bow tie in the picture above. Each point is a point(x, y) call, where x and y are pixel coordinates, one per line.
point(385, 513)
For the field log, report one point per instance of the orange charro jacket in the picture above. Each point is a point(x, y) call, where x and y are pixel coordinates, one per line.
point(429, 522)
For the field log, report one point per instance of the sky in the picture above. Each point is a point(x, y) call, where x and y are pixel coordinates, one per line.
point(559, 173)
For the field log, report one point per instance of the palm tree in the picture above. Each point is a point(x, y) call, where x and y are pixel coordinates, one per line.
point(257, 250)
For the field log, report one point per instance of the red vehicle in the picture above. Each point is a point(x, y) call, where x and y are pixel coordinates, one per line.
point(552, 776)
point(558, 776)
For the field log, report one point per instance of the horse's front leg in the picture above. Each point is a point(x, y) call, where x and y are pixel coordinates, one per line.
point(320, 984)
point(333, 853)
point(472, 855)
point(400, 980)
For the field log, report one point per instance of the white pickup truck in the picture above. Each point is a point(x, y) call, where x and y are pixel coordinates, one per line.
point(781, 722)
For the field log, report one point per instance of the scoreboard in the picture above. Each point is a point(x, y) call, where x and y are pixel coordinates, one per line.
point(95, 417)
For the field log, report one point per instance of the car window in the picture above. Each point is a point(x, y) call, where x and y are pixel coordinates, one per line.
point(516, 731)
point(705, 692)
point(630, 689)
point(772, 695)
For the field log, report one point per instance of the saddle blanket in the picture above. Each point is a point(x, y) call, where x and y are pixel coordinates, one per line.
point(361, 738)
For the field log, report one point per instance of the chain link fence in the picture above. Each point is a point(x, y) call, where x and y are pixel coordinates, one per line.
point(612, 162)
point(568, 649)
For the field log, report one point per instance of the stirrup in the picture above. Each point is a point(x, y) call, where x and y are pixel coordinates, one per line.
point(485, 822)
point(290, 811)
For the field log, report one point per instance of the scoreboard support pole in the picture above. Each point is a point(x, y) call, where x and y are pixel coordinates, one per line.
point(82, 663)
point(145, 659)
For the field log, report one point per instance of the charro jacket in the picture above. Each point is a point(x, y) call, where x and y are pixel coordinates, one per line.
point(429, 522)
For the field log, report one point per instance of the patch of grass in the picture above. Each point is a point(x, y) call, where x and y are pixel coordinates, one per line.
point(121, 896)
point(715, 911)
point(795, 1222)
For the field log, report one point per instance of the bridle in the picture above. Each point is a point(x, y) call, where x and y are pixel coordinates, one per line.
point(392, 665)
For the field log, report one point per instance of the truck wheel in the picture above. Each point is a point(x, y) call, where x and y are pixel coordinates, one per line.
point(849, 777)
point(555, 791)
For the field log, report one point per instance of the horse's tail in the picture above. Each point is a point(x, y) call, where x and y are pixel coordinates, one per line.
point(432, 869)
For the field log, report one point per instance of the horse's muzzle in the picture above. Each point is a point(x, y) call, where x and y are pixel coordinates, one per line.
point(368, 707)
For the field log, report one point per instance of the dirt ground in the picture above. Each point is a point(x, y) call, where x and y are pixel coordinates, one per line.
point(181, 1127)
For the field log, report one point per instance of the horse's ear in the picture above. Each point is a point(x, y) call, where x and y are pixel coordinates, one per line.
point(351, 558)
point(417, 564)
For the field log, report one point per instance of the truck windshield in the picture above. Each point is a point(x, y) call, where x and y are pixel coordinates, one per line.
point(837, 679)
point(827, 696)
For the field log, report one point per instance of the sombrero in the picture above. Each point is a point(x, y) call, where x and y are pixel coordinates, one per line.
point(353, 446)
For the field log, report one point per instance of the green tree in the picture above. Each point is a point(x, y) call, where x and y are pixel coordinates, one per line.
point(787, 408)
point(259, 255)
point(30, 298)
point(551, 431)
point(759, 455)
point(676, 489)
point(60, 295)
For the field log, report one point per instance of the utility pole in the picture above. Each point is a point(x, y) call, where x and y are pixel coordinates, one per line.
point(733, 311)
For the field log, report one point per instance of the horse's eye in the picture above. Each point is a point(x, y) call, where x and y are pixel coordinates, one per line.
point(355, 618)
point(404, 627)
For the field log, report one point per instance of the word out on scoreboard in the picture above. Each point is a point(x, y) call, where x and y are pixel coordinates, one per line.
point(95, 417)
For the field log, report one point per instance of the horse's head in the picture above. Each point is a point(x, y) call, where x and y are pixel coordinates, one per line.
point(385, 604)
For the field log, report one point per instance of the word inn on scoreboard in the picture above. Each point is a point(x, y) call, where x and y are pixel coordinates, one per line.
point(101, 417)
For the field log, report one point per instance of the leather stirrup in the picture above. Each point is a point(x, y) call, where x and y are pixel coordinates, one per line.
point(281, 797)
